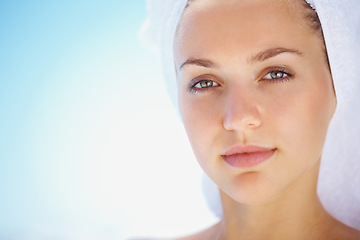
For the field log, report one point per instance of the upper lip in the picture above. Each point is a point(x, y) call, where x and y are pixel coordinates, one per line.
point(239, 149)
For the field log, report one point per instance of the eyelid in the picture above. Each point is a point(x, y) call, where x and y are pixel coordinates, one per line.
point(287, 71)
point(269, 78)
point(214, 84)
point(197, 80)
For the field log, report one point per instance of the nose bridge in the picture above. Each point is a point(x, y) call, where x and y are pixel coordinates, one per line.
point(241, 109)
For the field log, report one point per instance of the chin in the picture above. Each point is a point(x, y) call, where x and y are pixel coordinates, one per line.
point(252, 189)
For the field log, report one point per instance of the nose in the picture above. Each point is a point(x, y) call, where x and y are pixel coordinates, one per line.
point(241, 112)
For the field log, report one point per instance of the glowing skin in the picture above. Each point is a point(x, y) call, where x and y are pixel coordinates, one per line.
point(249, 73)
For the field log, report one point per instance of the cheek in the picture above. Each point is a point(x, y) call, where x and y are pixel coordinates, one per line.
point(320, 109)
point(202, 122)
point(304, 117)
point(319, 103)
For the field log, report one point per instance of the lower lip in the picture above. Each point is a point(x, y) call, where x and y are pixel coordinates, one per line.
point(248, 160)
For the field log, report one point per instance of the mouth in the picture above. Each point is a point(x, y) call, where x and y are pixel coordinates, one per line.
point(247, 156)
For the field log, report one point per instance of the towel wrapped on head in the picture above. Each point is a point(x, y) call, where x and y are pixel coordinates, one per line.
point(339, 181)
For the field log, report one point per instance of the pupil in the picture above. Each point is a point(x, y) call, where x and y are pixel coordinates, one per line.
point(277, 74)
point(205, 84)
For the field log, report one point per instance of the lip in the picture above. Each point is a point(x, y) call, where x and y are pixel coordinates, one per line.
point(247, 156)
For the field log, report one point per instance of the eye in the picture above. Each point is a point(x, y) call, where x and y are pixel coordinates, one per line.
point(205, 84)
point(277, 75)
point(202, 85)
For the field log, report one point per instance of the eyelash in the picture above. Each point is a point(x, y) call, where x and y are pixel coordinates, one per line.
point(278, 80)
point(197, 81)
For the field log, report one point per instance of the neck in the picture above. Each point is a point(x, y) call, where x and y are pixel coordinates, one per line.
point(296, 214)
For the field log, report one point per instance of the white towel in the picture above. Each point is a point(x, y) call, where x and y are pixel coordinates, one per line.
point(339, 182)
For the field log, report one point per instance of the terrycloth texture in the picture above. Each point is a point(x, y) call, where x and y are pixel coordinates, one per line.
point(339, 183)
point(158, 34)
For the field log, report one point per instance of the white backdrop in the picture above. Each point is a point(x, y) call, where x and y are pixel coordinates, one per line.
point(90, 146)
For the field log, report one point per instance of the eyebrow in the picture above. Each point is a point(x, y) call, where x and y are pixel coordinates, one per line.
point(198, 62)
point(272, 52)
point(261, 56)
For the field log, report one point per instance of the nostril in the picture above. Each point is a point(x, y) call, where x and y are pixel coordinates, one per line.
point(241, 120)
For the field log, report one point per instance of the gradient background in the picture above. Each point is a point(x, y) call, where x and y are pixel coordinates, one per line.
point(90, 146)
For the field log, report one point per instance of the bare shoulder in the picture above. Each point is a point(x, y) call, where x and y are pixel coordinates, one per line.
point(206, 234)
point(148, 239)
point(351, 233)
point(342, 231)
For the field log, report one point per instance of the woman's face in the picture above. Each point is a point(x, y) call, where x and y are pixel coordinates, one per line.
point(253, 77)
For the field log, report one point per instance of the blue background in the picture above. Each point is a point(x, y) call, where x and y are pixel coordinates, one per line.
point(90, 146)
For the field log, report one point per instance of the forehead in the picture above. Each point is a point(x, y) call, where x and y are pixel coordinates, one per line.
point(203, 5)
point(211, 25)
point(219, 13)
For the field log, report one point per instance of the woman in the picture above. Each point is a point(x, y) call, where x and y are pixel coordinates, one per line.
point(255, 92)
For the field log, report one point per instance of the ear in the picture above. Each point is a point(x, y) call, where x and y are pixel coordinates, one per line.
point(334, 98)
point(334, 105)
